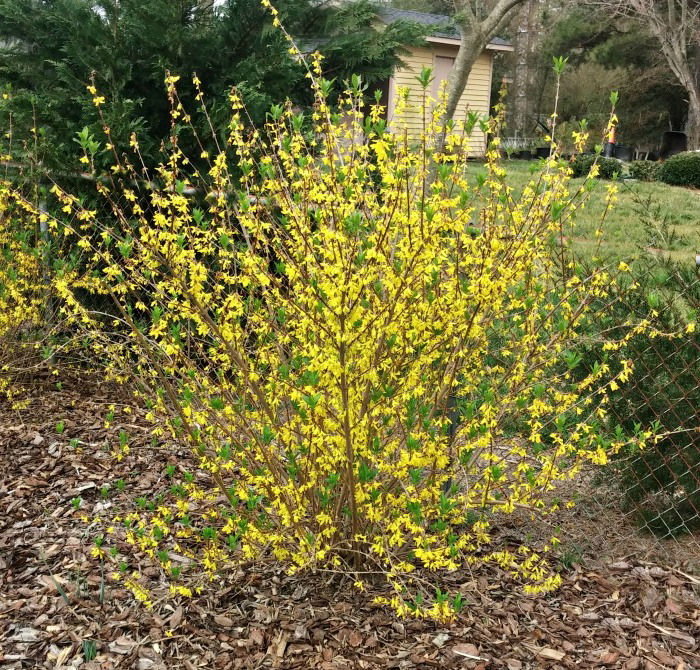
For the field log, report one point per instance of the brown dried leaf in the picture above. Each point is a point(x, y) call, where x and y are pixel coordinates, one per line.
point(551, 654)
point(355, 638)
point(440, 639)
point(281, 645)
point(223, 621)
point(469, 651)
point(122, 645)
point(665, 657)
point(608, 657)
point(176, 618)
point(256, 637)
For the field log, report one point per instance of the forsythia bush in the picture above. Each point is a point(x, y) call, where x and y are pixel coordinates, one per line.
point(370, 353)
point(23, 284)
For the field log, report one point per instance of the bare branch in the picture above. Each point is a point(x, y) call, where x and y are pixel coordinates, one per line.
point(676, 26)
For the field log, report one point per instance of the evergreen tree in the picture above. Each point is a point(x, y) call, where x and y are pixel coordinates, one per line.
point(49, 50)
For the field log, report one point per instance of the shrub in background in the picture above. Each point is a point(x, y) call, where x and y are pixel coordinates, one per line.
point(24, 287)
point(644, 170)
point(608, 168)
point(681, 169)
point(582, 163)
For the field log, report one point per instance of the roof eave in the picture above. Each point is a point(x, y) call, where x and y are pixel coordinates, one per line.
point(500, 47)
point(456, 42)
point(444, 40)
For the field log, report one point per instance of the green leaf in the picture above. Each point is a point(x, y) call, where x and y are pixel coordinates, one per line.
point(425, 77)
point(559, 62)
point(267, 435)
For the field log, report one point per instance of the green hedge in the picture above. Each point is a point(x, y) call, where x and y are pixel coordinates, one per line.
point(644, 170)
point(608, 167)
point(682, 169)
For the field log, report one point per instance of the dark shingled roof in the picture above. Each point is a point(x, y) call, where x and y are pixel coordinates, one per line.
point(444, 26)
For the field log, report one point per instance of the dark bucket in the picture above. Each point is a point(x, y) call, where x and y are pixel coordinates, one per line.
point(673, 143)
point(623, 152)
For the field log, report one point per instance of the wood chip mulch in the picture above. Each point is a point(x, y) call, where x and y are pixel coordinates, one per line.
point(629, 613)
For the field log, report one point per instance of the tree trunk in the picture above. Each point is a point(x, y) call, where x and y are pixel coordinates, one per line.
point(469, 51)
point(476, 31)
point(673, 29)
point(692, 127)
point(524, 92)
point(688, 79)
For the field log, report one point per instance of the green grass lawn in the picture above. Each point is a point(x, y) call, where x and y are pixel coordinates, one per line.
point(651, 217)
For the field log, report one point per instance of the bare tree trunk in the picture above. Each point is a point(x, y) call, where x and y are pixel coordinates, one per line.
point(681, 67)
point(476, 30)
point(523, 92)
point(692, 127)
point(694, 102)
point(469, 51)
point(676, 26)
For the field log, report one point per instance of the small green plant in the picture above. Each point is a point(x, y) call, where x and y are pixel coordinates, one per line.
point(681, 170)
point(570, 556)
point(58, 586)
point(76, 502)
point(89, 650)
point(60, 427)
point(74, 442)
point(658, 224)
point(104, 491)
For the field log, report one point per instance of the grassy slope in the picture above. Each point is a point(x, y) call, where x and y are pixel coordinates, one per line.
point(637, 220)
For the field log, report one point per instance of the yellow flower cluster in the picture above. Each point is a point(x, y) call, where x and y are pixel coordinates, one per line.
point(23, 285)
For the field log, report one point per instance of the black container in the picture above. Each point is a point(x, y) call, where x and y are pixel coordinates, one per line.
point(623, 152)
point(673, 143)
point(542, 152)
point(524, 154)
point(609, 150)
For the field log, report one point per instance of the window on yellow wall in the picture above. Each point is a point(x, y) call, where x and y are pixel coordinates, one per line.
point(441, 71)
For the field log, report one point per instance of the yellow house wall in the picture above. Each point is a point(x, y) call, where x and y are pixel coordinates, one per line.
point(476, 96)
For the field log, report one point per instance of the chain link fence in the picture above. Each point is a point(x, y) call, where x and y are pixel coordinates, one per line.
point(646, 503)
point(661, 484)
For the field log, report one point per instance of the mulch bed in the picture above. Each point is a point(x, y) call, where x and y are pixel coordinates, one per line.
point(624, 612)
